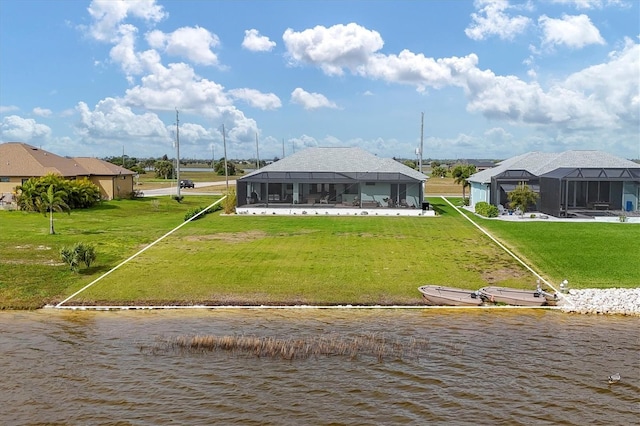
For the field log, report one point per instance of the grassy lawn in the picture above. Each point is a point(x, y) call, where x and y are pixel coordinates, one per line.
point(589, 255)
point(316, 260)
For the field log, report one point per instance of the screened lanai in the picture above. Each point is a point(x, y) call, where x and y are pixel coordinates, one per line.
point(505, 182)
point(566, 189)
point(337, 177)
point(565, 181)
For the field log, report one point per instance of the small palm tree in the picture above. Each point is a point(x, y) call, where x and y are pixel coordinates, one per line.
point(50, 201)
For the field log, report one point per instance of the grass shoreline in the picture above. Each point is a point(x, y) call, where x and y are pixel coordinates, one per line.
point(271, 261)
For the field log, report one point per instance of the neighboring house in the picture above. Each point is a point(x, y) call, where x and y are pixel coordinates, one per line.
point(341, 177)
point(19, 162)
point(480, 164)
point(566, 181)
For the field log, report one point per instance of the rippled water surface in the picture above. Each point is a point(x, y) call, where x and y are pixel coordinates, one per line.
point(473, 367)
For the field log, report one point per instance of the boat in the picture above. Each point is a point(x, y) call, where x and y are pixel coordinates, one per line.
point(512, 296)
point(449, 296)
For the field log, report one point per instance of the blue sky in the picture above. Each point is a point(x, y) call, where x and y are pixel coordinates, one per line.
point(493, 78)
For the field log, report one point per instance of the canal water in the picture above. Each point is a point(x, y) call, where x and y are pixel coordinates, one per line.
point(430, 367)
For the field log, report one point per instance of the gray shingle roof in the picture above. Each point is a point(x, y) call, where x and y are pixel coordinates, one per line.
point(341, 160)
point(539, 163)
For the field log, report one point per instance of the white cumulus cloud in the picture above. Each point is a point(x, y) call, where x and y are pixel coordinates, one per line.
point(8, 108)
point(596, 97)
point(255, 42)
point(112, 120)
point(571, 31)
point(42, 112)
point(192, 133)
point(417, 69)
point(108, 15)
point(17, 129)
point(334, 48)
point(613, 85)
point(178, 86)
point(257, 99)
point(311, 100)
point(193, 43)
point(492, 20)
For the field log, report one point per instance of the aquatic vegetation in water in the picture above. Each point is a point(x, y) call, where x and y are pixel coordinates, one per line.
point(368, 345)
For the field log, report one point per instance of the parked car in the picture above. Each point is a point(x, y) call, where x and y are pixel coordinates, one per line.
point(186, 183)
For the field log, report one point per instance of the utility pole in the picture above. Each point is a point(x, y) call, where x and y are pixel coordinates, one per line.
point(257, 153)
point(226, 170)
point(178, 154)
point(282, 147)
point(421, 142)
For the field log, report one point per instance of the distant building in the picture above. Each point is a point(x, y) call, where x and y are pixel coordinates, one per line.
point(566, 181)
point(480, 164)
point(337, 177)
point(19, 162)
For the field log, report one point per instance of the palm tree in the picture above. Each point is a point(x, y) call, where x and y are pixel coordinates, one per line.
point(27, 194)
point(461, 173)
point(164, 169)
point(50, 201)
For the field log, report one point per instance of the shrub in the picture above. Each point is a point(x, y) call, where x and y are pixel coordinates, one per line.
point(194, 211)
point(79, 253)
point(77, 194)
point(86, 253)
point(70, 258)
point(522, 198)
point(487, 210)
point(135, 194)
point(229, 203)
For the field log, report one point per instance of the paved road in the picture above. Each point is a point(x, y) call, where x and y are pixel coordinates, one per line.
point(172, 190)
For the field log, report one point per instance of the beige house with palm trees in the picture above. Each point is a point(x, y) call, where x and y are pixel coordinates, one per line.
point(20, 162)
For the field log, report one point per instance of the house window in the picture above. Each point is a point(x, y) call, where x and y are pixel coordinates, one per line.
point(370, 183)
point(4, 179)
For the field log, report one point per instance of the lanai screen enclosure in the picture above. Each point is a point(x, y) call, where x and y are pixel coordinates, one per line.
point(334, 176)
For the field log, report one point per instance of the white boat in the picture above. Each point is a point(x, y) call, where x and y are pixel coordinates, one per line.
point(449, 296)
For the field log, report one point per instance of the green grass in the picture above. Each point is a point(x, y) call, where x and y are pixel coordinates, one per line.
point(300, 259)
point(589, 255)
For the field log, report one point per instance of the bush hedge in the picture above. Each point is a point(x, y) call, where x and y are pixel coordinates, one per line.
point(78, 194)
point(194, 211)
point(487, 210)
